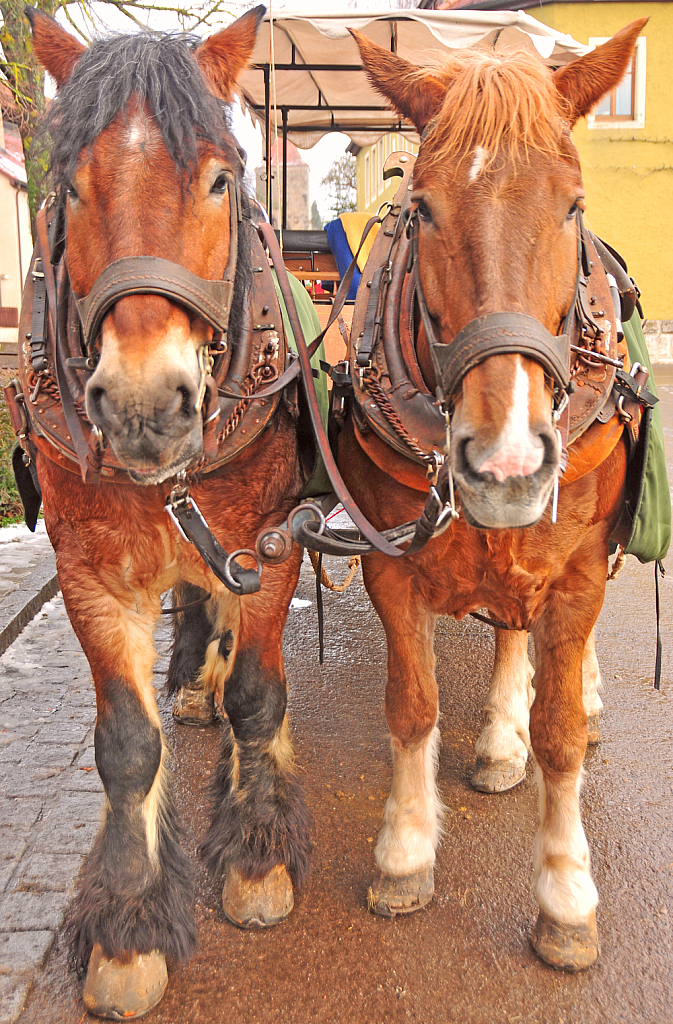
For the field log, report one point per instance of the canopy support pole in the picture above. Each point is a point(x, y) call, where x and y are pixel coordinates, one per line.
point(284, 169)
point(267, 116)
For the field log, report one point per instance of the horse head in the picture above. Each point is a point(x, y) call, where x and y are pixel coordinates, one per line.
point(497, 187)
point(144, 160)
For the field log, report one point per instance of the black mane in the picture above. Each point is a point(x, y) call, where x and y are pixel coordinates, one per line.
point(159, 69)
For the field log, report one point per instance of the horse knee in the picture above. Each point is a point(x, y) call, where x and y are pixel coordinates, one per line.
point(255, 700)
point(558, 739)
point(128, 748)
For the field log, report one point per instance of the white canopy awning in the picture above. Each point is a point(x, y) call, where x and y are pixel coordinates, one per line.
point(320, 86)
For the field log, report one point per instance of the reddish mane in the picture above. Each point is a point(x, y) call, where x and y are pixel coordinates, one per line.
point(506, 103)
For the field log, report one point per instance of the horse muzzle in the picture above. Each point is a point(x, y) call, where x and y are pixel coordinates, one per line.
point(153, 425)
point(493, 500)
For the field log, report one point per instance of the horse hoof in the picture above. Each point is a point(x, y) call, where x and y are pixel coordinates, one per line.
point(567, 947)
point(194, 707)
point(124, 991)
point(259, 902)
point(497, 776)
point(593, 729)
point(390, 895)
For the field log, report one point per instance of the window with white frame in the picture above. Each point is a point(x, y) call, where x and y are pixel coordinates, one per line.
point(624, 106)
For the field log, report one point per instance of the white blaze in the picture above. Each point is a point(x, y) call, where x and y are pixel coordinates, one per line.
point(480, 155)
point(517, 453)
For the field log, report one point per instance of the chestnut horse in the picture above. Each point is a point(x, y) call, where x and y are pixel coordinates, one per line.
point(143, 150)
point(494, 220)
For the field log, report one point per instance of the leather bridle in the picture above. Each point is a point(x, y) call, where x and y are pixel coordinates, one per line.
point(499, 333)
point(152, 275)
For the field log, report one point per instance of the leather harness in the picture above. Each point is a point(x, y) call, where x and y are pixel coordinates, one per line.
point(584, 361)
point(240, 387)
point(388, 395)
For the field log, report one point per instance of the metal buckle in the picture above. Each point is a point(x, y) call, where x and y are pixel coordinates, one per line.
point(626, 416)
point(180, 499)
point(205, 361)
point(317, 512)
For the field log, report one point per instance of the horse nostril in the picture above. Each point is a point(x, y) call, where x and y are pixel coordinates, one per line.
point(95, 404)
point(187, 405)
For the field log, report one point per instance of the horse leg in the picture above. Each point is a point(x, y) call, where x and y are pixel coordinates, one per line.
point(502, 747)
point(258, 838)
point(591, 683)
point(405, 850)
point(134, 905)
point(565, 934)
point(190, 676)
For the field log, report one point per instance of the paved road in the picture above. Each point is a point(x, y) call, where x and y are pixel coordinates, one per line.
point(466, 959)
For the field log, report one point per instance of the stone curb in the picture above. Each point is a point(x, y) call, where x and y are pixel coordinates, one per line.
point(23, 605)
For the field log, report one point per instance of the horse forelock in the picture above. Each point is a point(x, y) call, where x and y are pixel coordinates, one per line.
point(161, 72)
point(496, 105)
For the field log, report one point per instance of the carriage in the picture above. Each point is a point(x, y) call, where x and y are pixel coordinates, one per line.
point(171, 426)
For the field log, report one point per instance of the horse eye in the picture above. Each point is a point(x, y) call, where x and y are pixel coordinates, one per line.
point(572, 211)
point(71, 190)
point(220, 184)
point(423, 210)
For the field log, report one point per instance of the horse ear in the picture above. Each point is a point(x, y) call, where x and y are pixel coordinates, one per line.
point(586, 80)
point(56, 50)
point(223, 56)
point(415, 93)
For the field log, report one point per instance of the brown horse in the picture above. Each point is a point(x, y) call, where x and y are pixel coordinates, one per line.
point(147, 170)
point(495, 235)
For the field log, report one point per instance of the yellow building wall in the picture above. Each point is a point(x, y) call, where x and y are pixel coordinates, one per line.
point(628, 174)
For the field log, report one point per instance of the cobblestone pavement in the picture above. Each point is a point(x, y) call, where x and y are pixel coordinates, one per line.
point(50, 793)
point(21, 552)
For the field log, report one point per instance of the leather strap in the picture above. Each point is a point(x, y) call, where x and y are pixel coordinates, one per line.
point(434, 510)
point(490, 335)
point(79, 441)
point(38, 330)
point(500, 334)
point(141, 275)
point(187, 516)
point(337, 481)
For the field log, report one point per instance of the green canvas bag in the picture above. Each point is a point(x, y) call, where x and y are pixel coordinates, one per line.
point(648, 493)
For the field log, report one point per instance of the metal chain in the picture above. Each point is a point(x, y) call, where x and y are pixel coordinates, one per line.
point(261, 374)
point(372, 384)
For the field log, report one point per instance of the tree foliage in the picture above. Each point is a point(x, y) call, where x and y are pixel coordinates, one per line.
point(23, 100)
point(341, 185)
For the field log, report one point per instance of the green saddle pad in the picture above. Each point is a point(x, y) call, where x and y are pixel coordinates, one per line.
point(648, 493)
